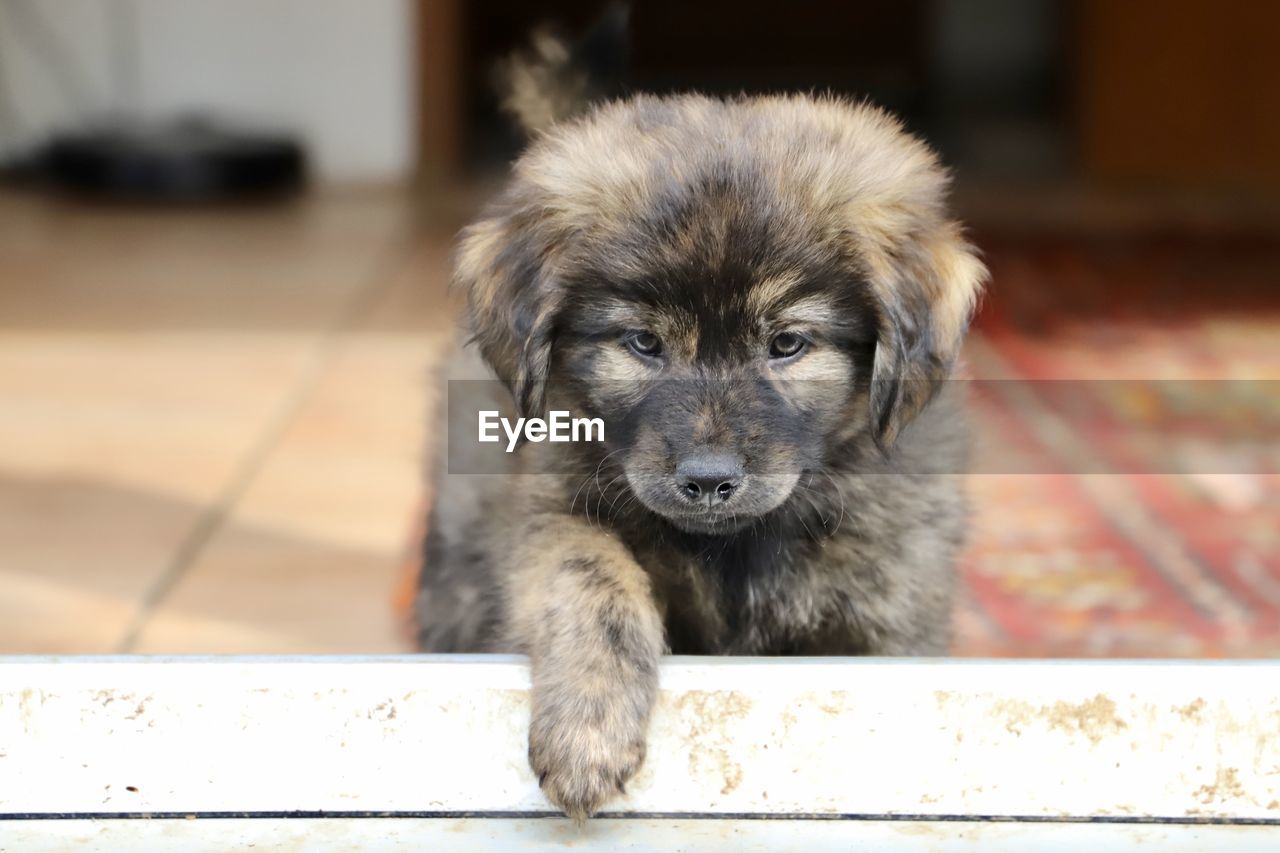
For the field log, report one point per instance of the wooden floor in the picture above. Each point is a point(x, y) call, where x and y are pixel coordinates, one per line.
point(210, 423)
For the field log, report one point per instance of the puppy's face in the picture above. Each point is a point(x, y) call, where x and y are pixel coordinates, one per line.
point(737, 288)
point(724, 356)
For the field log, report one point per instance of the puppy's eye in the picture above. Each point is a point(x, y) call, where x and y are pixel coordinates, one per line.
point(644, 343)
point(786, 345)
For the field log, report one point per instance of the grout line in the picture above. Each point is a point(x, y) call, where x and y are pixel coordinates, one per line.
point(383, 278)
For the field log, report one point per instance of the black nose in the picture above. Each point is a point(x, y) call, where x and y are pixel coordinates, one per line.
point(709, 478)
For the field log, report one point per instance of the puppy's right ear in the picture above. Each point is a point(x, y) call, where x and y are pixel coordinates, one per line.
point(512, 304)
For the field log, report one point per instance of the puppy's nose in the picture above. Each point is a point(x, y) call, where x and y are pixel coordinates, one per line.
point(709, 478)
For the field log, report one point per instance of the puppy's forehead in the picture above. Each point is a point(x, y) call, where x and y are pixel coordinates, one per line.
point(736, 283)
point(717, 261)
point(708, 249)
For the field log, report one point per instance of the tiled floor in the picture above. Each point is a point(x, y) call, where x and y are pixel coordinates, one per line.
point(210, 423)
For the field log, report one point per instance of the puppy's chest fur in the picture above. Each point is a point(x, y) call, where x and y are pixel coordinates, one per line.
point(762, 592)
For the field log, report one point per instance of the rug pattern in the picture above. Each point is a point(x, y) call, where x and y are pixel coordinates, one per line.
point(1148, 522)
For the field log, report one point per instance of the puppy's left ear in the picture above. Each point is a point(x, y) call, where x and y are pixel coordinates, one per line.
point(927, 292)
point(504, 267)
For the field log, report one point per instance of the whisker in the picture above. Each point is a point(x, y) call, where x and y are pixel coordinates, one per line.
point(574, 502)
point(610, 485)
point(596, 476)
point(840, 494)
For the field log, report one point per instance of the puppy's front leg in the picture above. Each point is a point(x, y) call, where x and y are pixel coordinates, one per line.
point(582, 608)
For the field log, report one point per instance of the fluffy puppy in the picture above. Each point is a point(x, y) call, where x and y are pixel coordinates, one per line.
point(762, 299)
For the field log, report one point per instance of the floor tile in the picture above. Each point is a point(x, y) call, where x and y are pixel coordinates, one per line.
point(308, 559)
point(143, 357)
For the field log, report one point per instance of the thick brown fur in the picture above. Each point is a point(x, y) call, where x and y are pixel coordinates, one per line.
point(714, 226)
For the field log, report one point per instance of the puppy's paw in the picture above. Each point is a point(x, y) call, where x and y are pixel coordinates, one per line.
point(582, 765)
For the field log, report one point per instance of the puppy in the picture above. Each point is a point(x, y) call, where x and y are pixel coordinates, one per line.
point(762, 298)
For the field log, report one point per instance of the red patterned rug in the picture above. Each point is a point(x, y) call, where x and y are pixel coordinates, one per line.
point(1148, 522)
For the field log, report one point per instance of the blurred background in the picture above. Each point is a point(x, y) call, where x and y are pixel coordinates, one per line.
point(224, 240)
